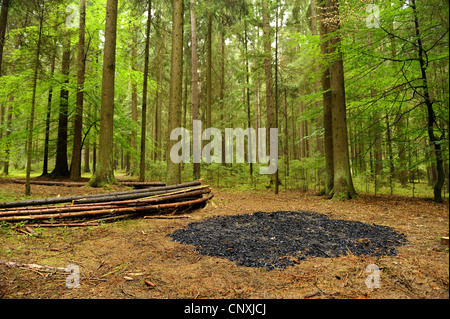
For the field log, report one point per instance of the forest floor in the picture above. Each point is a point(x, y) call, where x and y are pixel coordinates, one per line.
point(137, 259)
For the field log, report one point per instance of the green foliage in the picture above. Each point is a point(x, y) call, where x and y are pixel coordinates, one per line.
point(384, 93)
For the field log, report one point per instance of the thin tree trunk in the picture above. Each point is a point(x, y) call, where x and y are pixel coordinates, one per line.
point(208, 66)
point(277, 181)
point(431, 115)
point(159, 94)
point(270, 109)
point(104, 172)
point(173, 173)
point(196, 166)
point(286, 136)
point(3, 24)
point(134, 101)
point(47, 120)
point(9, 113)
point(327, 117)
point(33, 104)
point(247, 82)
point(75, 169)
point(317, 84)
point(144, 95)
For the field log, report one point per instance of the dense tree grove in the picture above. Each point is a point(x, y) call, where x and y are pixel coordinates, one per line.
point(357, 89)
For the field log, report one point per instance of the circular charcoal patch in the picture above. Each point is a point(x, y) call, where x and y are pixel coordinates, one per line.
point(277, 240)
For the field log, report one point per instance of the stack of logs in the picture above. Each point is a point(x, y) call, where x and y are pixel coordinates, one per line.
point(106, 207)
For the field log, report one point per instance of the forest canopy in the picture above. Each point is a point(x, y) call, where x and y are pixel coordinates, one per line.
point(357, 89)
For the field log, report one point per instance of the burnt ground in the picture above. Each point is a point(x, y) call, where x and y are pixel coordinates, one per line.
point(138, 259)
point(281, 239)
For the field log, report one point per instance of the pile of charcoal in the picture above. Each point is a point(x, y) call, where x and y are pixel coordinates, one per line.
point(280, 239)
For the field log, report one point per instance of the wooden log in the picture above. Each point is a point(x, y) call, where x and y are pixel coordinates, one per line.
point(108, 211)
point(123, 197)
point(79, 184)
point(91, 198)
point(188, 192)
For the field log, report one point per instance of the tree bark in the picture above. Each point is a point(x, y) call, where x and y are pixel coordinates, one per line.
point(196, 166)
point(134, 101)
point(47, 120)
point(61, 167)
point(343, 183)
point(144, 95)
point(173, 173)
point(33, 104)
point(104, 173)
point(326, 97)
point(270, 108)
point(9, 113)
point(75, 168)
point(247, 82)
point(3, 24)
point(208, 65)
point(159, 94)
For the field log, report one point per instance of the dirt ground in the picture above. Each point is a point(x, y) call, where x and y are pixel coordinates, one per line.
point(136, 259)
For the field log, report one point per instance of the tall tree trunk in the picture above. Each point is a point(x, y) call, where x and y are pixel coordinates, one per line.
point(144, 95)
point(208, 65)
point(343, 183)
point(435, 141)
point(277, 182)
point(327, 118)
point(314, 31)
point(75, 168)
point(33, 103)
point(86, 168)
point(9, 113)
point(159, 94)
point(222, 95)
point(134, 101)
point(267, 44)
point(47, 120)
point(104, 173)
point(247, 82)
point(196, 166)
point(3, 24)
point(173, 173)
point(61, 167)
